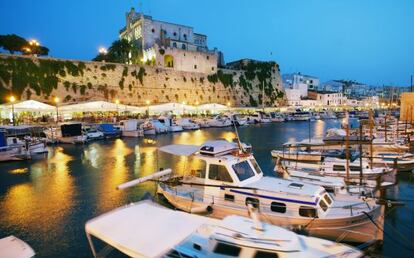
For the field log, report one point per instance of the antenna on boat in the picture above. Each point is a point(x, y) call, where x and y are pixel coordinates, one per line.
point(239, 144)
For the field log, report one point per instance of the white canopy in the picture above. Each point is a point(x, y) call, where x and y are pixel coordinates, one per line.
point(180, 149)
point(171, 107)
point(212, 107)
point(29, 106)
point(144, 229)
point(96, 106)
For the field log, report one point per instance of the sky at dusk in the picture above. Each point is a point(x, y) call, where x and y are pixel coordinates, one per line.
point(371, 41)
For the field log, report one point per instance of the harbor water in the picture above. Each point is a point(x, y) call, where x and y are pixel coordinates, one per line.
point(47, 200)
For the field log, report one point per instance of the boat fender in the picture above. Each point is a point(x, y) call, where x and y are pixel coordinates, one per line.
point(201, 209)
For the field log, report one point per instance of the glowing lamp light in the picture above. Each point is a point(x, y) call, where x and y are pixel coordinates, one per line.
point(228, 104)
point(34, 42)
point(56, 100)
point(12, 99)
point(117, 101)
point(183, 102)
point(103, 51)
point(148, 102)
point(196, 103)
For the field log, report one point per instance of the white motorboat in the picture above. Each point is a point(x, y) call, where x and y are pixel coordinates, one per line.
point(230, 179)
point(92, 133)
point(148, 128)
point(170, 124)
point(259, 117)
point(327, 115)
point(170, 233)
point(237, 119)
point(11, 152)
point(297, 155)
point(66, 133)
point(337, 167)
point(203, 122)
point(130, 128)
point(403, 161)
point(32, 145)
point(299, 116)
point(13, 247)
point(219, 121)
point(158, 126)
point(187, 124)
point(276, 117)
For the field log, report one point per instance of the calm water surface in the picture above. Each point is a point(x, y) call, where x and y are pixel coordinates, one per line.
point(47, 200)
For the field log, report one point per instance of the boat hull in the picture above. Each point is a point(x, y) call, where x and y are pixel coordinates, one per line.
point(354, 229)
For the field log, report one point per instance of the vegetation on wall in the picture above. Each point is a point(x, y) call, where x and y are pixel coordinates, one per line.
point(16, 74)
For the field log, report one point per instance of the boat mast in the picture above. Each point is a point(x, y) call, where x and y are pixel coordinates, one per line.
point(371, 121)
point(360, 152)
point(263, 96)
point(347, 146)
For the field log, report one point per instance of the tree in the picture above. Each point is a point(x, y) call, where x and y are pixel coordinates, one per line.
point(121, 51)
point(12, 43)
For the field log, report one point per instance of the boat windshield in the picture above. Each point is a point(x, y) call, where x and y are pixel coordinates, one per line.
point(243, 170)
point(256, 166)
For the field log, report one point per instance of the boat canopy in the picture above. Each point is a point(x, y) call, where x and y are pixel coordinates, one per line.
point(180, 149)
point(164, 228)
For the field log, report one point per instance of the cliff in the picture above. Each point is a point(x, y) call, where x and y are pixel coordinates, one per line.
point(77, 81)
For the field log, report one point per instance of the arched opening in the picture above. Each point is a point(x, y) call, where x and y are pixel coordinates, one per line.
point(174, 44)
point(168, 61)
point(183, 46)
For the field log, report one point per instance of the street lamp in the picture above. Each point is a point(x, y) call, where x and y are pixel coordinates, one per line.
point(12, 100)
point(34, 42)
point(103, 51)
point(56, 100)
point(228, 104)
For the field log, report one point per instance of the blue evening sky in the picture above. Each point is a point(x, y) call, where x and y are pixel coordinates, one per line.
point(371, 41)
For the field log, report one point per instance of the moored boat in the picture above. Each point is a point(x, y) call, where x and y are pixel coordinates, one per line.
point(231, 180)
point(169, 233)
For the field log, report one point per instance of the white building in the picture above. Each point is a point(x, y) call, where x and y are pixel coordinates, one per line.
point(328, 98)
point(169, 45)
point(298, 80)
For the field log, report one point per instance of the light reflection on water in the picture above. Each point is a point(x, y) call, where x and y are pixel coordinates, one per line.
point(46, 201)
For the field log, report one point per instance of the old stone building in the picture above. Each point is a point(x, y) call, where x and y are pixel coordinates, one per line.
point(170, 45)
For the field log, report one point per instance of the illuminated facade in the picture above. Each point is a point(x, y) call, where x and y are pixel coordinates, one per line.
point(169, 45)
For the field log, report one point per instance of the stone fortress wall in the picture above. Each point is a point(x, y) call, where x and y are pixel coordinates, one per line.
point(78, 81)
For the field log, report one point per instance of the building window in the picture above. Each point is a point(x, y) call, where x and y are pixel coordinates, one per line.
point(278, 207)
point(175, 34)
point(185, 36)
point(208, 57)
point(153, 30)
point(183, 46)
point(212, 68)
point(175, 44)
point(195, 66)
